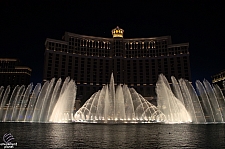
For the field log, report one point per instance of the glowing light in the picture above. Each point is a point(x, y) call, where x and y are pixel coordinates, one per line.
point(117, 32)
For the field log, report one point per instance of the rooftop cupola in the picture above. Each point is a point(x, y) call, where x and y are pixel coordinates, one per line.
point(117, 32)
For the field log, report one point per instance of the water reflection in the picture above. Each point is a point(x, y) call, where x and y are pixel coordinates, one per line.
point(34, 135)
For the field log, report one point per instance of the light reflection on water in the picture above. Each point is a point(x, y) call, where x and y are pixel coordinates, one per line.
point(36, 135)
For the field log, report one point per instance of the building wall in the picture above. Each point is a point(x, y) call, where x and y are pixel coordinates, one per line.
point(12, 73)
point(136, 62)
point(219, 79)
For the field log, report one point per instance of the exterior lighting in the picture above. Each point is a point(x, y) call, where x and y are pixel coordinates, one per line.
point(117, 32)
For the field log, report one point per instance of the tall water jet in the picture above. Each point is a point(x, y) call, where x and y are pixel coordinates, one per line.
point(32, 102)
point(213, 101)
point(46, 102)
point(1, 93)
point(3, 105)
point(38, 105)
point(128, 104)
point(119, 107)
point(188, 100)
point(173, 108)
point(63, 110)
point(100, 106)
point(54, 98)
point(24, 103)
point(10, 104)
point(112, 96)
point(220, 98)
point(191, 97)
point(207, 108)
point(17, 103)
point(177, 89)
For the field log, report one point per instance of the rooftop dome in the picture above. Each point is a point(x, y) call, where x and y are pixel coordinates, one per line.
point(117, 32)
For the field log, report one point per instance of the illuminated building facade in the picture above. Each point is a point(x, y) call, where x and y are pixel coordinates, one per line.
point(219, 79)
point(12, 73)
point(136, 62)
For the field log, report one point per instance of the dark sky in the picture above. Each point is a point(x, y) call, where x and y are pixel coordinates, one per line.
point(25, 25)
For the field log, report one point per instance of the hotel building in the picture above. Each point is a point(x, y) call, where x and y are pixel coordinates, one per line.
point(136, 62)
point(12, 73)
point(219, 79)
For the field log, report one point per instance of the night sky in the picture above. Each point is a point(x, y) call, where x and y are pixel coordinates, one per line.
point(25, 26)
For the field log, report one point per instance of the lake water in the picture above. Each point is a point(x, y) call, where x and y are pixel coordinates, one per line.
point(35, 135)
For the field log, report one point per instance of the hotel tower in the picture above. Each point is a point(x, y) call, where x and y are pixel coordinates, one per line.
point(137, 62)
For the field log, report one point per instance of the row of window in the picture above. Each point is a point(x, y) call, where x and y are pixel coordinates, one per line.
point(86, 69)
point(121, 48)
point(126, 53)
point(69, 60)
point(81, 42)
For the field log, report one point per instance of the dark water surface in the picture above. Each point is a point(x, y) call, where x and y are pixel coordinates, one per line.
point(35, 135)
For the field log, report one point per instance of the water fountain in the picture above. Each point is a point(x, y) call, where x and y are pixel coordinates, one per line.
point(177, 102)
point(207, 105)
point(53, 102)
point(173, 108)
point(123, 105)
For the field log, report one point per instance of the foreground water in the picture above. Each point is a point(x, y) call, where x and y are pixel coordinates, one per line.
point(39, 135)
